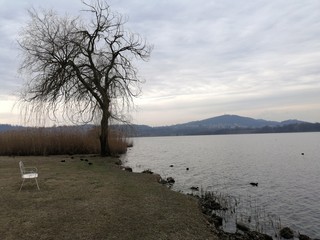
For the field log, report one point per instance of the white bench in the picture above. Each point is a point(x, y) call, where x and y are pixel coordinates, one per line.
point(28, 173)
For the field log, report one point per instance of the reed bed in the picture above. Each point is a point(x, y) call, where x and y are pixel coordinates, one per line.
point(58, 141)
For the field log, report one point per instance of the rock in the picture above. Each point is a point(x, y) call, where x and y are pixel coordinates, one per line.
point(63, 160)
point(208, 203)
point(90, 163)
point(148, 171)
point(187, 169)
point(206, 211)
point(211, 204)
point(304, 237)
point(243, 227)
point(252, 235)
point(255, 184)
point(170, 180)
point(162, 181)
point(171, 165)
point(194, 188)
point(128, 169)
point(118, 162)
point(286, 233)
point(216, 220)
point(157, 177)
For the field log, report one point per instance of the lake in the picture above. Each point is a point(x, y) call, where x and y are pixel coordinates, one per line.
point(285, 166)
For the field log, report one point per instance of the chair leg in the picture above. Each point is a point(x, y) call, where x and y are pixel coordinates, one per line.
point(37, 183)
point(21, 185)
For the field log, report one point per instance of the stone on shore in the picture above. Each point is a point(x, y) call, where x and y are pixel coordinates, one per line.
point(215, 219)
point(243, 227)
point(286, 233)
point(128, 169)
point(170, 180)
point(304, 237)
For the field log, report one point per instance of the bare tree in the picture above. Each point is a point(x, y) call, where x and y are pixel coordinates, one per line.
point(83, 68)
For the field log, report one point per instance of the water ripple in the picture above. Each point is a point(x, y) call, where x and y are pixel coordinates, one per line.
point(289, 185)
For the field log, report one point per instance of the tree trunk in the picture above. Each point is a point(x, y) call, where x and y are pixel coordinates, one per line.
point(104, 140)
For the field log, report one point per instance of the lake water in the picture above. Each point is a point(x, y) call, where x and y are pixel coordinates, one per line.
point(286, 166)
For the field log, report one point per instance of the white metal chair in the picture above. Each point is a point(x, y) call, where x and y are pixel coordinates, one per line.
point(28, 173)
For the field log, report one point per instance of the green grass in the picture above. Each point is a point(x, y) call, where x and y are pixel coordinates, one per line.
point(78, 201)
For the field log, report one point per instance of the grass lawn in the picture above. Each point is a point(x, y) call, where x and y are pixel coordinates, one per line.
point(98, 201)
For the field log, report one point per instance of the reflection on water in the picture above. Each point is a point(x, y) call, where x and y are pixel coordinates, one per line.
point(286, 166)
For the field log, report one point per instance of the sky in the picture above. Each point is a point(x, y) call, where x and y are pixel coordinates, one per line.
point(254, 58)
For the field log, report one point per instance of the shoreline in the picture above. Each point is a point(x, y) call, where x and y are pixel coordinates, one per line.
point(214, 221)
point(228, 165)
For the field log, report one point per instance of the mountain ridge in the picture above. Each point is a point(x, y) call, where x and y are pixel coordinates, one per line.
point(224, 124)
point(227, 121)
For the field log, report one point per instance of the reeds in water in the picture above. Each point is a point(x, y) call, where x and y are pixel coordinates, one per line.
point(239, 211)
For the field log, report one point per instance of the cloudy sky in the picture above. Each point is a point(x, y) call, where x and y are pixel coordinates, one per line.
point(255, 58)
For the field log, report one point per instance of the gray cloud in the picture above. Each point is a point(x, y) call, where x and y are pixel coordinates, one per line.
point(262, 48)
point(258, 58)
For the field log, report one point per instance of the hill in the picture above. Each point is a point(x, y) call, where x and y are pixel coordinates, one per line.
point(235, 121)
point(226, 124)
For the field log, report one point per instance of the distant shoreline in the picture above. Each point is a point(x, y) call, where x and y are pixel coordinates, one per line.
point(145, 131)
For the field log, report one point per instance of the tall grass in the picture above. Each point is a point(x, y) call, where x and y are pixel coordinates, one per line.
point(58, 141)
point(243, 210)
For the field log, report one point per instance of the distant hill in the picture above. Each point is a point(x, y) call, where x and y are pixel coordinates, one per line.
point(234, 121)
point(225, 124)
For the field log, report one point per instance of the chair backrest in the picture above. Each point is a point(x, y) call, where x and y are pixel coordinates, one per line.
point(21, 165)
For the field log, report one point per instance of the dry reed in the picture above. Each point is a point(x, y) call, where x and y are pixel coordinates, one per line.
point(58, 141)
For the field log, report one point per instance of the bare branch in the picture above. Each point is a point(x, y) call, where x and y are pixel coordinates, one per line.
point(82, 70)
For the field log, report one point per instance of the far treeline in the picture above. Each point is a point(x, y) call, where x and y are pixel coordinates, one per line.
point(146, 131)
point(17, 140)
